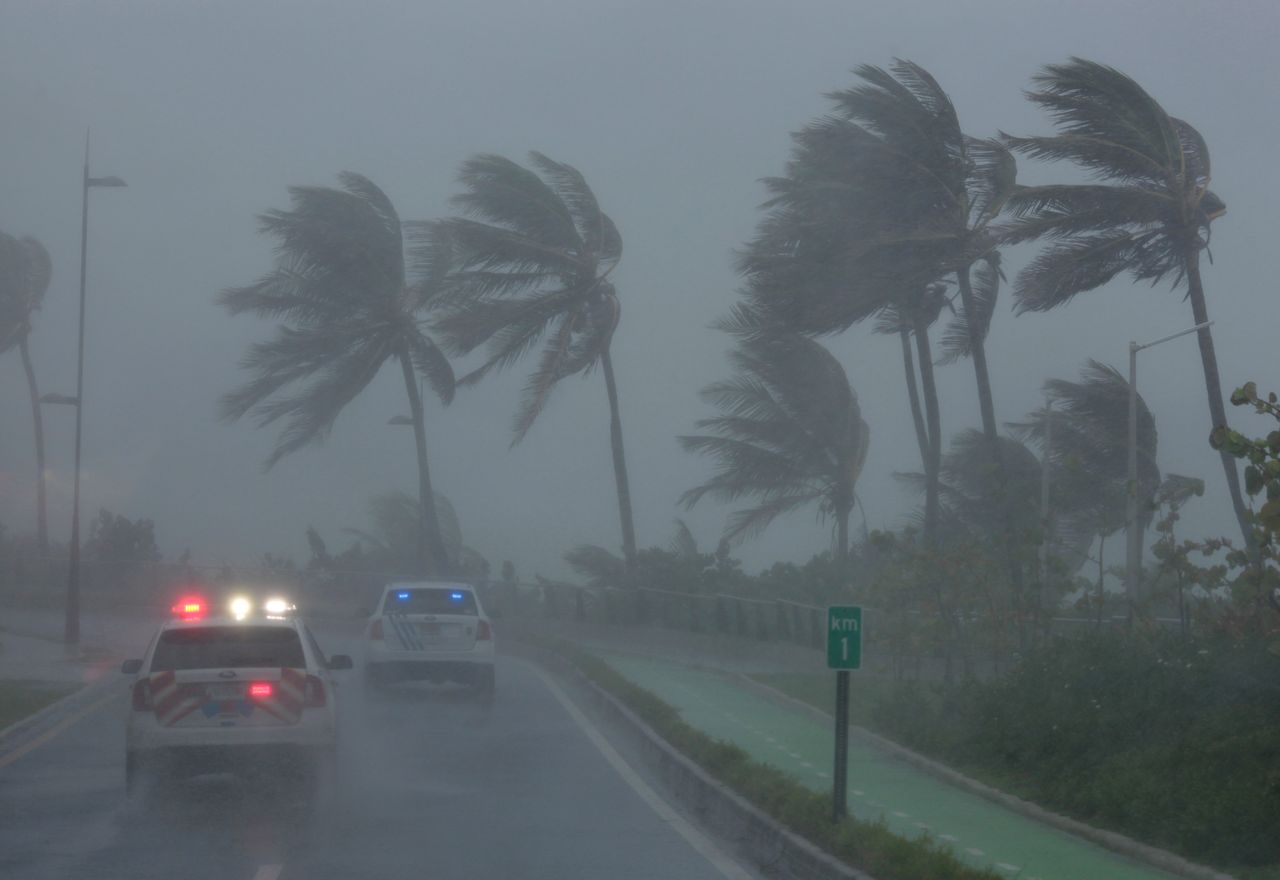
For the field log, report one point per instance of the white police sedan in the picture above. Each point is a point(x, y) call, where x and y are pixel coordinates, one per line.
point(246, 692)
point(430, 630)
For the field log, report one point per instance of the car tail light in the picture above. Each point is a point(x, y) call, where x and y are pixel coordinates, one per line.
point(483, 631)
point(375, 632)
point(261, 690)
point(141, 695)
point(313, 696)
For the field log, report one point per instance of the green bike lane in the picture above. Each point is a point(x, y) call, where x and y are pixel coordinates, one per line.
point(909, 801)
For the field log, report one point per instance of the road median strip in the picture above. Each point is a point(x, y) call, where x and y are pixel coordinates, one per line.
point(793, 819)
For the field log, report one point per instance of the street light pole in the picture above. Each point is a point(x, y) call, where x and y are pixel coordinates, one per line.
point(71, 624)
point(1133, 534)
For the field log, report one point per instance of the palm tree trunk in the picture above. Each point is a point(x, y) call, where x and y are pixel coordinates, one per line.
point(913, 394)
point(42, 519)
point(432, 556)
point(1102, 573)
point(842, 534)
point(932, 472)
point(933, 459)
point(986, 405)
point(619, 463)
point(1217, 410)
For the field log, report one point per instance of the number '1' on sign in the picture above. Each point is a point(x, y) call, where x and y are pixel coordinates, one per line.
point(844, 637)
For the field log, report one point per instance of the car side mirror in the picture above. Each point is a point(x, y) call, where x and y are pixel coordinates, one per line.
point(340, 661)
point(131, 667)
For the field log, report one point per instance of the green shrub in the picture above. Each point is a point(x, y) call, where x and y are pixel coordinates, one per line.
point(1173, 742)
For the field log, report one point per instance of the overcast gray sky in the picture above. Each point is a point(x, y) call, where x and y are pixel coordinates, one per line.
point(673, 111)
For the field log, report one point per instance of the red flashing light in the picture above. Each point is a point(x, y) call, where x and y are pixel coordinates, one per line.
point(261, 689)
point(483, 631)
point(189, 608)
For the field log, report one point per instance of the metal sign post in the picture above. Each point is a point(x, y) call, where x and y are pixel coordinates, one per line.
point(844, 652)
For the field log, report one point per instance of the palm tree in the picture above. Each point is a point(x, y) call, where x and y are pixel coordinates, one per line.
point(1148, 214)
point(533, 257)
point(790, 433)
point(25, 271)
point(946, 189)
point(882, 200)
point(346, 307)
point(1084, 438)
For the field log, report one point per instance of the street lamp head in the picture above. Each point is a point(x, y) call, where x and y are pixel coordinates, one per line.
point(104, 181)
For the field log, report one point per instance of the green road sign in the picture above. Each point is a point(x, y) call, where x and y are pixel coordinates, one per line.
point(844, 637)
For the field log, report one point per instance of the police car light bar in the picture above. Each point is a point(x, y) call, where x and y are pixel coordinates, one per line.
point(189, 608)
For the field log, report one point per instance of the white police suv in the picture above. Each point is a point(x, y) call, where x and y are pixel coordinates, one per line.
point(429, 630)
point(246, 692)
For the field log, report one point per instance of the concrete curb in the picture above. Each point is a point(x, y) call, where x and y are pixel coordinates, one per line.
point(1118, 843)
point(757, 838)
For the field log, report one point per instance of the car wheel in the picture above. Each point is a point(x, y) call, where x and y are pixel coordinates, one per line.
point(132, 775)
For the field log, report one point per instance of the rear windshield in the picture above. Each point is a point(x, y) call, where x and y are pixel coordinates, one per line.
point(430, 600)
point(228, 647)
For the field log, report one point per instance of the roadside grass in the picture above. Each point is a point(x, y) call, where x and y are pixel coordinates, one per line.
point(18, 699)
point(869, 846)
point(1173, 745)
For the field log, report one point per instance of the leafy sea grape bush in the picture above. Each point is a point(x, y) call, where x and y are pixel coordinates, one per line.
point(1261, 481)
point(1172, 741)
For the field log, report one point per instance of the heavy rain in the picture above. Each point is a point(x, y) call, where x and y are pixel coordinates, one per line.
point(691, 440)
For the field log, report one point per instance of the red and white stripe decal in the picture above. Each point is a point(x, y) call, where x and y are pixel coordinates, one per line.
point(290, 693)
point(174, 701)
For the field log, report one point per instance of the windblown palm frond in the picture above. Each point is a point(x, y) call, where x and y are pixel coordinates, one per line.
point(344, 307)
point(531, 262)
point(1150, 206)
point(682, 543)
point(963, 330)
point(25, 272)
point(790, 433)
point(1084, 437)
point(600, 567)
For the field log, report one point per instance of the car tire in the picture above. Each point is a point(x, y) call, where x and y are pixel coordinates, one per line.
point(140, 779)
point(132, 775)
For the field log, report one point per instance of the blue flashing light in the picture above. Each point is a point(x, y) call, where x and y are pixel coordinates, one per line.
point(402, 596)
point(456, 597)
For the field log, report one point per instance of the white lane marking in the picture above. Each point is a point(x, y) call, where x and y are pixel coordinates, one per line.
point(923, 826)
point(859, 792)
point(974, 851)
point(795, 755)
point(770, 739)
point(949, 838)
point(805, 764)
point(1008, 867)
point(268, 872)
point(901, 815)
point(695, 838)
point(822, 775)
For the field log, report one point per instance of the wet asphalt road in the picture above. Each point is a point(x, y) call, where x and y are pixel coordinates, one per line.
point(434, 782)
